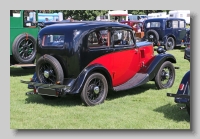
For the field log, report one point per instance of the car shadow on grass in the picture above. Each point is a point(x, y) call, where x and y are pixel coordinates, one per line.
point(138, 90)
point(21, 72)
point(173, 112)
point(75, 100)
point(69, 100)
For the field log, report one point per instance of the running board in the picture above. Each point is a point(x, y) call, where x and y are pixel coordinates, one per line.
point(137, 80)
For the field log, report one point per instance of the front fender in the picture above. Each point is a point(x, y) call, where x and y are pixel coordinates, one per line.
point(165, 38)
point(81, 79)
point(159, 59)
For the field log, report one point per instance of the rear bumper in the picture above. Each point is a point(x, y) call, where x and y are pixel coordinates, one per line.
point(47, 89)
point(180, 98)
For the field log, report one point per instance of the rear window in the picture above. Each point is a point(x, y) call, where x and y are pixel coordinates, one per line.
point(152, 24)
point(53, 40)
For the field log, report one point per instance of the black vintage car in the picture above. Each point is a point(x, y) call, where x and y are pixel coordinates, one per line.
point(89, 57)
point(168, 32)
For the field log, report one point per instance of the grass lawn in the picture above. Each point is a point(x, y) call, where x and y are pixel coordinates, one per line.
point(143, 107)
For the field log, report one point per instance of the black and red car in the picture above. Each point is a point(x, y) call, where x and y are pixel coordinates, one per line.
point(78, 58)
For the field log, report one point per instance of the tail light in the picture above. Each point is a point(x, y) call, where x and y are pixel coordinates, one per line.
point(181, 87)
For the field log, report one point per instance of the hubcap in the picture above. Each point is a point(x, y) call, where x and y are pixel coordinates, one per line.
point(96, 89)
point(46, 74)
point(151, 36)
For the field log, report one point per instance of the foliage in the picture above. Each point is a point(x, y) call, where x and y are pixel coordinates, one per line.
point(92, 14)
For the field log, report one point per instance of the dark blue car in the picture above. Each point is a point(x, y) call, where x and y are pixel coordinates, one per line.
point(183, 92)
point(167, 32)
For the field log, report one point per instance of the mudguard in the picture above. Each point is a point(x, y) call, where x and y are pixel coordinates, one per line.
point(165, 38)
point(81, 79)
point(75, 86)
point(184, 90)
point(155, 65)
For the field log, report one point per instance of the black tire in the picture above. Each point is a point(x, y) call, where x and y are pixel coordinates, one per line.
point(188, 107)
point(24, 49)
point(51, 66)
point(94, 81)
point(170, 44)
point(165, 73)
point(152, 36)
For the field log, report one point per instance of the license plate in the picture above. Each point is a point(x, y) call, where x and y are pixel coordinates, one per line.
point(48, 92)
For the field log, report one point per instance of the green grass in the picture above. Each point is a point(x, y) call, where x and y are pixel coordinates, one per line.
point(143, 107)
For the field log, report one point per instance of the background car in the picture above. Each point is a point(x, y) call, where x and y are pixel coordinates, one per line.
point(183, 94)
point(168, 32)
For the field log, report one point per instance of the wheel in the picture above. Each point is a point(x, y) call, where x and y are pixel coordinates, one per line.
point(188, 107)
point(24, 49)
point(165, 76)
point(152, 36)
point(49, 70)
point(95, 90)
point(170, 44)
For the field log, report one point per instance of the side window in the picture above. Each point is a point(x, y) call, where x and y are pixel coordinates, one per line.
point(122, 37)
point(15, 13)
point(98, 38)
point(174, 24)
point(169, 24)
point(181, 24)
point(29, 17)
point(53, 40)
point(148, 25)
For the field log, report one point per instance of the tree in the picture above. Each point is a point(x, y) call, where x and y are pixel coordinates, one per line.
point(81, 14)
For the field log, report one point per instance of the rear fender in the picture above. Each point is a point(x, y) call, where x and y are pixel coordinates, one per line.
point(159, 59)
point(81, 79)
point(184, 90)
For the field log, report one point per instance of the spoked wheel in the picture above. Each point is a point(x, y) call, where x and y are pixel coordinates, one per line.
point(169, 44)
point(24, 49)
point(152, 36)
point(165, 76)
point(95, 90)
point(49, 71)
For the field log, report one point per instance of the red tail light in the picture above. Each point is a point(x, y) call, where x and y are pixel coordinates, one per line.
point(181, 87)
point(34, 90)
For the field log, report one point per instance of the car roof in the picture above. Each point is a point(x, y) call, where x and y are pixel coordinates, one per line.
point(85, 25)
point(158, 19)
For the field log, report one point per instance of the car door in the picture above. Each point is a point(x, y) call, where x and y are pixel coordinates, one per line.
point(96, 49)
point(169, 28)
point(176, 30)
point(181, 31)
point(126, 57)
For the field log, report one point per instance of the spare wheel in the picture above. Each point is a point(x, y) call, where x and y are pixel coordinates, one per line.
point(49, 70)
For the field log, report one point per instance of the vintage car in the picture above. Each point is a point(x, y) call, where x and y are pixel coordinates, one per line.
point(183, 93)
point(73, 58)
point(168, 32)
